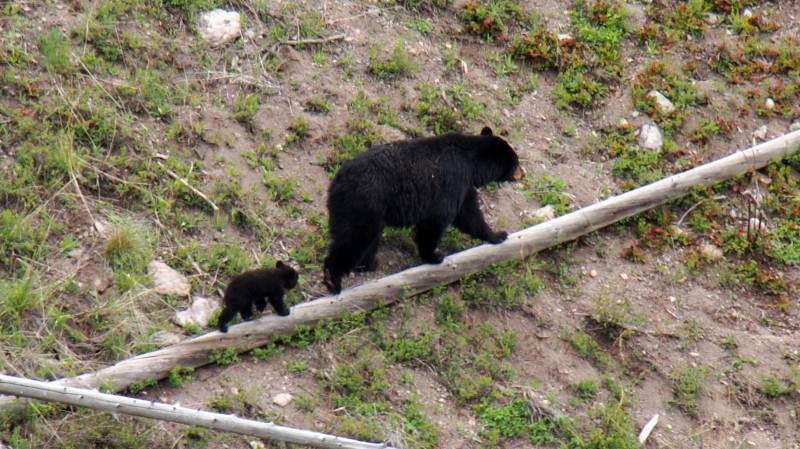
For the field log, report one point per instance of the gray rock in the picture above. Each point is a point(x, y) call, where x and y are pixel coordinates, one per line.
point(165, 338)
point(662, 103)
point(794, 126)
point(167, 281)
point(198, 314)
point(650, 137)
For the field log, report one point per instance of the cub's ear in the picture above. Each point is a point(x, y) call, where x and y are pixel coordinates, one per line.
point(278, 264)
point(487, 131)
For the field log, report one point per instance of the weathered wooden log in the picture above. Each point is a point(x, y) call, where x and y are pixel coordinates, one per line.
point(47, 391)
point(246, 336)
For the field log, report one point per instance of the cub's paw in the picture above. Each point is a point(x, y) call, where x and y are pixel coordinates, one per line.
point(498, 237)
point(434, 258)
point(283, 312)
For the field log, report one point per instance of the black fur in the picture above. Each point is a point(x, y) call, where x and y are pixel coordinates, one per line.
point(428, 183)
point(255, 287)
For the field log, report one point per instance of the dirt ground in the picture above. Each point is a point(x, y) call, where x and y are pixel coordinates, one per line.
point(682, 318)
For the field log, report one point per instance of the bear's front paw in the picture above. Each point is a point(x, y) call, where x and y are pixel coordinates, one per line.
point(283, 312)
point(434, 258)
point(498, 237)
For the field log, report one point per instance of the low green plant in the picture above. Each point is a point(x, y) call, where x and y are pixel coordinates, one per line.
point(246, 106)
point(688, 384)
point(400, 64)
point(56, 52)
point(226, 357)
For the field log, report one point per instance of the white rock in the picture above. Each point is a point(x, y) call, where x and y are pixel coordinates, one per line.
point(103, 228)
point(167, 281)
point(757, 225)
point(711, 18)
point(282, 399)
point(218, 27)
point(650, 137)
point(760, 133)
point(544, 213)
point(198, 313)
point(662, 103)
point(623, 276)
point(622, 123)
point(769, 104)
point(256, 445)
point(794, 126)
point(593, 273)
point(711, 252)
point(747, 12)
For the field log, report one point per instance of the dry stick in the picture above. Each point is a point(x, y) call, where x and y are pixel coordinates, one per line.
point(189, 186)
point(175, 413)
point(252, 334)
point(322, 40)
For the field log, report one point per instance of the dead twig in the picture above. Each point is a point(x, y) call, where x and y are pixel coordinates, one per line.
point(321, 40)
point(190, 187)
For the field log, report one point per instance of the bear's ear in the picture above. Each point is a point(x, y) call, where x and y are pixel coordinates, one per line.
point(278, 264)
point(487, 131)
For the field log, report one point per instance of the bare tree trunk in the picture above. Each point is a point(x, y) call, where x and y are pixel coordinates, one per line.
point(246, 336)
point(47, 391)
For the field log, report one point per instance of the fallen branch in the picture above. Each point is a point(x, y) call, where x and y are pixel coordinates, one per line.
point(175, 413)
point(189, 186)
point(252, 334)
point(321, 40)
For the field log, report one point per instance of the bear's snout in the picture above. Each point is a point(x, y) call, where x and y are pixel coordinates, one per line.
point(519, 173)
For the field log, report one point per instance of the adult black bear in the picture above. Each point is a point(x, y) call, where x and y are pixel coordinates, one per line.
point(428, 183)
point(255, 287)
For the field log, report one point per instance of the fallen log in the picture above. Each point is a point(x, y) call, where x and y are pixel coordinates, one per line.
point(48, 391)
point(252, 334)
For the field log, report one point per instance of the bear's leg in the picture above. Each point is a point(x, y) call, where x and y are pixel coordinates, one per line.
point(261, 304)
point(427, 237)
point(277, 303)
point(368, 263)
point(344, 256)
point(246, 310)
point(225, 317)
point(470, 220)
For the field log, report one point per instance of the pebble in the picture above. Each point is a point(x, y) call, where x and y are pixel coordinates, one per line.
point(623, 276)
point(795, 126)
point(694, 354)
point(593, 273)
point(760, 133)
point(769, 104)
point(219, 27)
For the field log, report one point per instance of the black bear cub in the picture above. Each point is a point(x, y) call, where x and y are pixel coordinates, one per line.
point(255, 287)
point(429, 183)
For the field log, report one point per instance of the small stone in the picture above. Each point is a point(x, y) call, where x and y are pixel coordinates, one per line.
point(165, 338)
point(103, 228)
point(747, 12)
point(711, 252)
point(218, 27)
point(672, 299)
point(711, 18)
point(769, 104)
point(694, 354)
point(663, 104)
point(198, 314)
point(760, 133)
point(650, 137)
point(544, 213)
point(622, 123)
point(282, 399)
point(795, 126)
point(256, 445)
point(593, 273)
point(757, 226)
point(167, 281)
point(623, 276)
